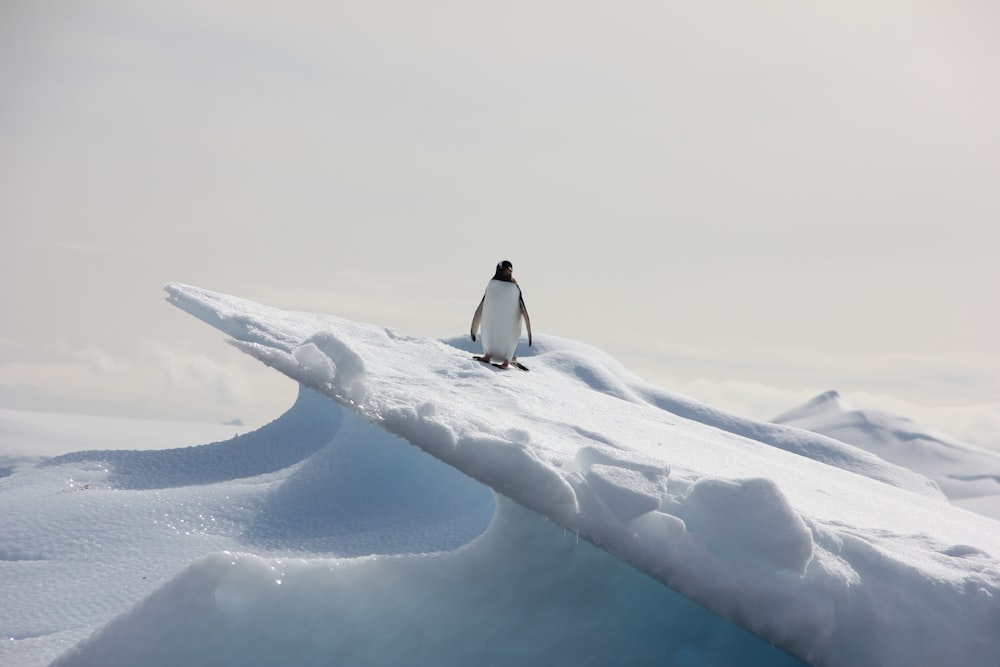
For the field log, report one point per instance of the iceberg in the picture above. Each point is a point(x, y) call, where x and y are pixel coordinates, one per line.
point(418, 507)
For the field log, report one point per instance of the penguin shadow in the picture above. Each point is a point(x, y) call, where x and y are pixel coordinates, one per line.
point(475, 349)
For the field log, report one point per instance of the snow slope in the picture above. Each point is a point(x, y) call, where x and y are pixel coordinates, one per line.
point(325, 539)
point(772, 540)
point(362, 551)
point(968, 475)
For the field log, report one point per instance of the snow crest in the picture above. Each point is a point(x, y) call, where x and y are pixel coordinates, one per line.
point(771, 527)
point(322, 362)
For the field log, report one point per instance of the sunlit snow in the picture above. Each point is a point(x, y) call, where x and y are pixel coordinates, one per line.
point(417, 507)
point(968, 475)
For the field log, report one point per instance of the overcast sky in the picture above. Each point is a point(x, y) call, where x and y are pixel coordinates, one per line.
point(746, 202)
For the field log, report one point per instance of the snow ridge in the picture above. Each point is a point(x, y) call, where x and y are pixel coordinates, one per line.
point(769, 539)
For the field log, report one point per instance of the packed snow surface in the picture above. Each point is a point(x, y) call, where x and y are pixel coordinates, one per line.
point(324, 538)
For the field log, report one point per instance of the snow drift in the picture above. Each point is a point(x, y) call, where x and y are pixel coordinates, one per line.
point(727, 516)
point(337, 543)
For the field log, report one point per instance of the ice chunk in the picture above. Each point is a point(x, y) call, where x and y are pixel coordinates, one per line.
point(628, 493)
point(749, 520)
point(322, 362)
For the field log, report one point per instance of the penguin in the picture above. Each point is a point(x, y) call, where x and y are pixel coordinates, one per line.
point(500, 312)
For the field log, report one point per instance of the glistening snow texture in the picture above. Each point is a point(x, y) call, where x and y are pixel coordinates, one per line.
point(828, 516)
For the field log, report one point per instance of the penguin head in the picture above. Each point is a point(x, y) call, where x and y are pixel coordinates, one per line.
point(505, 270)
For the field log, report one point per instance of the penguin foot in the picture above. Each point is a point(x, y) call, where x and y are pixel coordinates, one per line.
point(487, 359)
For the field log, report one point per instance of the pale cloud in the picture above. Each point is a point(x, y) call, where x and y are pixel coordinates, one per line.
point(150, 379)
point(965, 376)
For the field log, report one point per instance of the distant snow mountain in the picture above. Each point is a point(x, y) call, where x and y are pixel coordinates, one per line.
point(968, 475)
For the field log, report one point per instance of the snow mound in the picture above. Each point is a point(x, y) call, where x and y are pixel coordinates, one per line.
point(769, 526)
point(760, 524)
point(598, 371)
point(305, 429)
point(85, 536)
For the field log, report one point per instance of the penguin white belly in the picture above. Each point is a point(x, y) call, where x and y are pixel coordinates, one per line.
point(501, 325)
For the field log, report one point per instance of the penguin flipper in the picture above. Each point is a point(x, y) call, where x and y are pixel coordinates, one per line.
point(477, 318)
point(527, 320)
